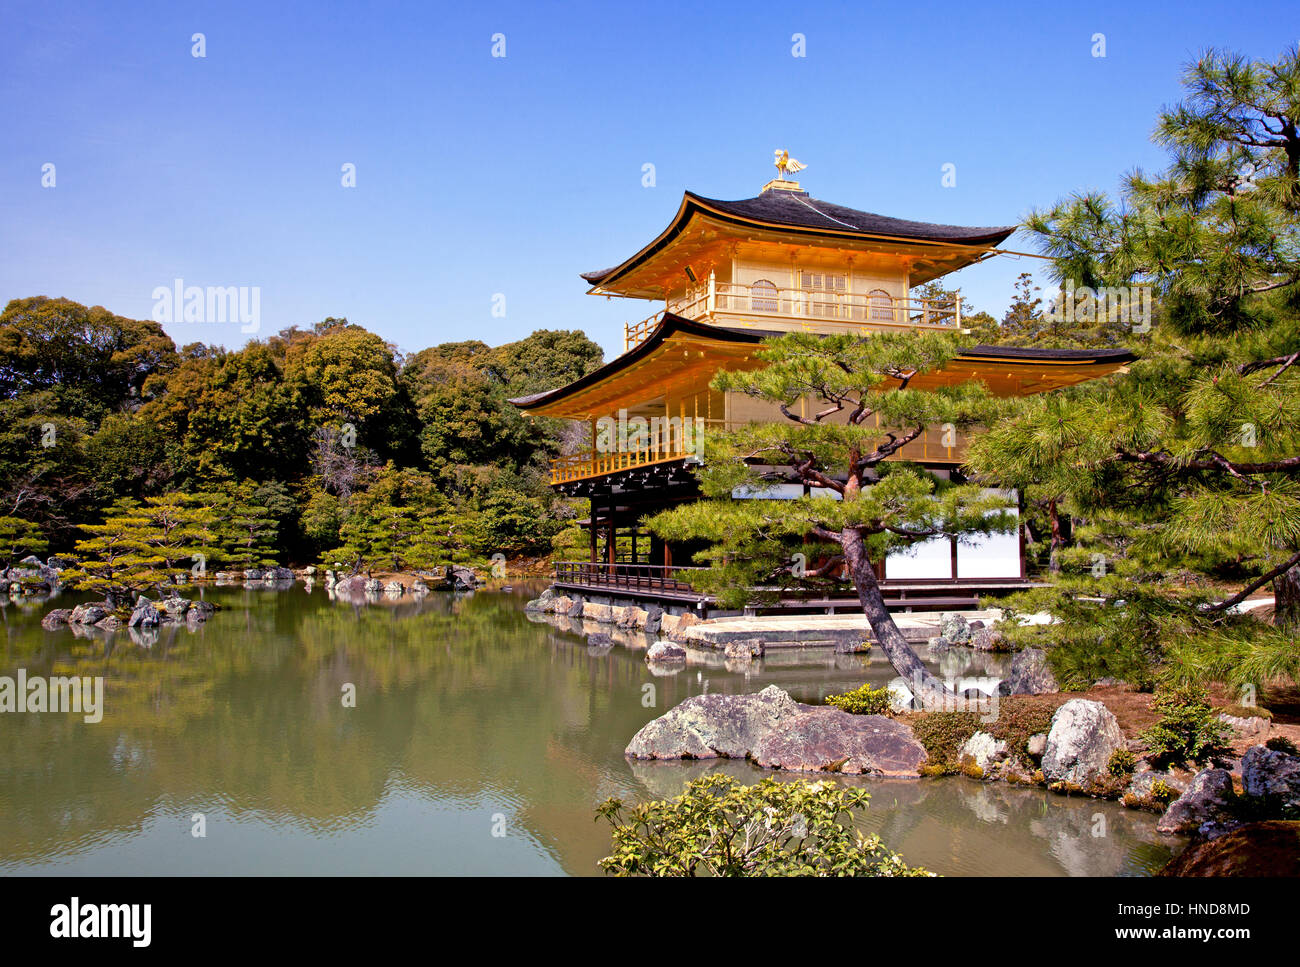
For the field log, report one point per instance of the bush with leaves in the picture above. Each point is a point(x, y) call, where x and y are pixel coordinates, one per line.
point(1188, 730)
point(863, 700)
point(718, 827)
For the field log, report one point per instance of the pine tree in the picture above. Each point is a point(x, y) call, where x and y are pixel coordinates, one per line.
point(861, 411)
point(1187, 467)
point(18, 538)
point(114, 560)
point(249, 532)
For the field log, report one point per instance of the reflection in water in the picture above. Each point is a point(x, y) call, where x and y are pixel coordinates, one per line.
point(471, 719)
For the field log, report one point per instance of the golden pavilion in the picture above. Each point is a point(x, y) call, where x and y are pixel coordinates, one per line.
point(729, 274)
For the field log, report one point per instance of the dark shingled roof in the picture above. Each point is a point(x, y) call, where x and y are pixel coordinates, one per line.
point(796, 211)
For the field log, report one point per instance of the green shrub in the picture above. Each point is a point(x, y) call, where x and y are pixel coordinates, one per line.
point(942, 734)
point(1122, 763)
point(1187, 731)
point(863, 700)
point(1280, 743)
point(717, 827)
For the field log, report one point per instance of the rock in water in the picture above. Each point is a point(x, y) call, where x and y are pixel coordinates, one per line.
point(56, 619)
point(87, 614)
point(1208, 800)
point(744, 649)
point(823, 739)
point(1029, 675)
point(1272, 775)
point(145, 614)
point(989, 639)
point(779, 733)
point(953, 626)
point(708, 726)
point(1083, 736)
point(665, 651)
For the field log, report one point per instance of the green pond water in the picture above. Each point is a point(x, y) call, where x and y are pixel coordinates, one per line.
point(480, 741)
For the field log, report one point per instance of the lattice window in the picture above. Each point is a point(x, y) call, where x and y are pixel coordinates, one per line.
point(882, 305)
point(763, 297)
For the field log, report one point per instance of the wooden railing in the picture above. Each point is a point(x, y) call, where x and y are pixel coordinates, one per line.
point(815, 310)
point(580, 466)
point(653, 578)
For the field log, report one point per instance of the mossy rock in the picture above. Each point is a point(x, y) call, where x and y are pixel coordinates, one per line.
point(1259, 849)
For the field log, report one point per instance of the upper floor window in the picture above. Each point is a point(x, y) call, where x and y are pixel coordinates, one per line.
point(762, 296)
point(824, 288)
point(882, 305)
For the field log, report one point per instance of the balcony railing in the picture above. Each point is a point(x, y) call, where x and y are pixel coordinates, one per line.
point(810, 310)
point(645, 578)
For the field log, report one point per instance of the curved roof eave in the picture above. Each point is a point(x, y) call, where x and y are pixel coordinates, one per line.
point(795, 213)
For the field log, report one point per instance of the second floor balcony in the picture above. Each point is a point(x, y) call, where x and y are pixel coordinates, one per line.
point(764, 306)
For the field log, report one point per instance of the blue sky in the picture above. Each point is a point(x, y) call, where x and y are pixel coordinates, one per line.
point(478, 175)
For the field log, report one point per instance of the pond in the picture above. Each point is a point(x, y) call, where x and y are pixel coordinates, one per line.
point(479, 742)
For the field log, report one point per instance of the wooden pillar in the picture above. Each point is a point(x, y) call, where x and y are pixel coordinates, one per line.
point(592, 528)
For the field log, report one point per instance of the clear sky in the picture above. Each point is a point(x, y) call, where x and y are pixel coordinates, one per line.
point(479, 175)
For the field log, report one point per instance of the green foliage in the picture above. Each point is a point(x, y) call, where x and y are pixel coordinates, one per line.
point(1181, 473)
point(718, 827)
point(96, 410)
point(1122, 763)
point(1187, 731)
point(839, 450)
point(18, 538)
point(1017, 721)
point(942, 734)
point(1280, 743)
point(863, 700)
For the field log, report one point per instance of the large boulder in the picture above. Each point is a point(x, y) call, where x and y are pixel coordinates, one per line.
point(709, 726)
point(1083, 737)
point(1206, 803)
point(779, 733)
point(1029, 675)
point(1257, 849)
point(824, 739)
point(1272, 775)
